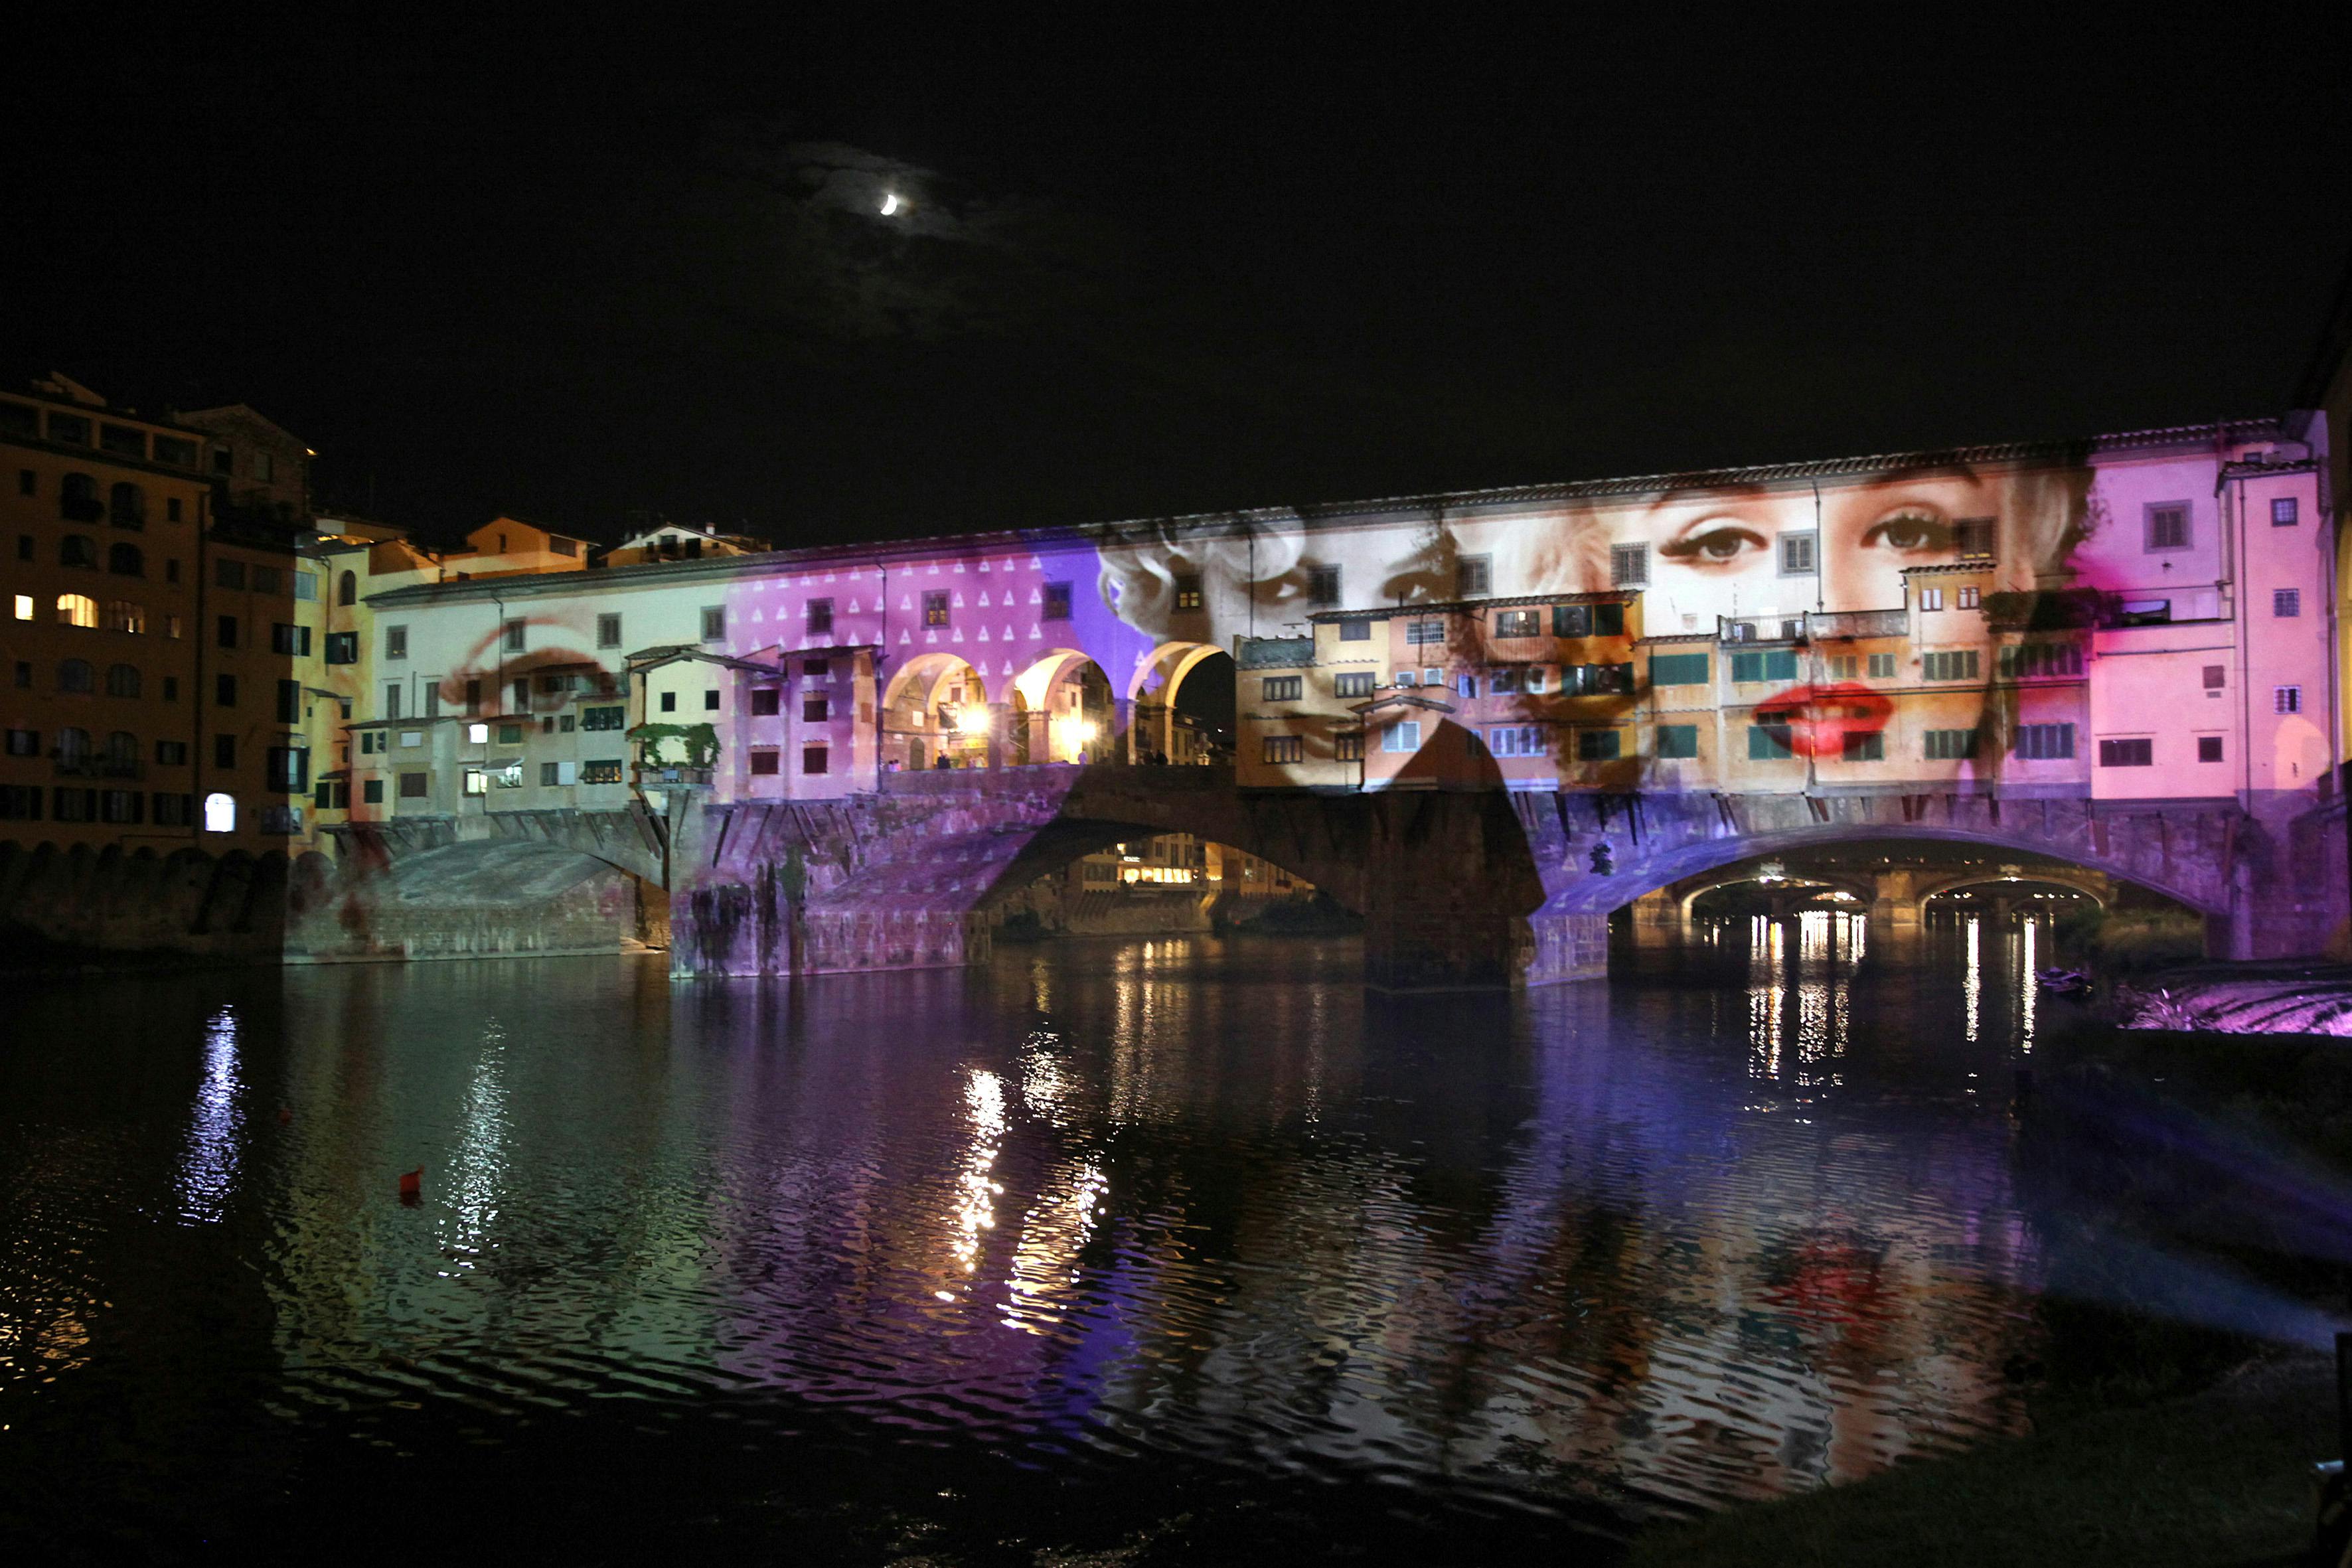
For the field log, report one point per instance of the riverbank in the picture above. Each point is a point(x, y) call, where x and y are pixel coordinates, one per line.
point(2214, 1478)
point(2288, 998)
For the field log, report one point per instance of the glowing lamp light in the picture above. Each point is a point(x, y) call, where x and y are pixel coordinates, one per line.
point(971, 720)
point(891, 204)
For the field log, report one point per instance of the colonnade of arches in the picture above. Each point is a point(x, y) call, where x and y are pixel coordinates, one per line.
point(942, 711)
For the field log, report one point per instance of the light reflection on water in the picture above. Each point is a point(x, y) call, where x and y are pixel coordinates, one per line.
point(1733, 1225)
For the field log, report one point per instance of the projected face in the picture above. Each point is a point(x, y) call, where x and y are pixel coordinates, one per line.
point(1757, 552)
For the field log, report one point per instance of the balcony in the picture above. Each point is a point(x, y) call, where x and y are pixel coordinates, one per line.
point(1761, 630)
point(1822, 625)
point(96, 767)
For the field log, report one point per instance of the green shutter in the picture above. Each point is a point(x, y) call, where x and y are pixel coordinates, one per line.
point(1678, 739)
point(1679, 669)
point(1768, 742)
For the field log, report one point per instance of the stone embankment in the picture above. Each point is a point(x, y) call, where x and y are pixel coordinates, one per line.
point(2280, 998)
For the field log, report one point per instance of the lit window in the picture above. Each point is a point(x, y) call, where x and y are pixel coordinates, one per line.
point(78, 610)
point(1284, 749)
point(220, 813)
point(1401, 736)
point(479, 734)
point(23, 606)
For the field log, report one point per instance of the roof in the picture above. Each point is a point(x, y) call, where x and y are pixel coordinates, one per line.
point(1408, 509)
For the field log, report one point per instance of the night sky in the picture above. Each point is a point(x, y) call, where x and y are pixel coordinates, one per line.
point(567, 275)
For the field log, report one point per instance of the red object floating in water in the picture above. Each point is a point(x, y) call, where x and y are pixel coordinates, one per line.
point(411, 1185)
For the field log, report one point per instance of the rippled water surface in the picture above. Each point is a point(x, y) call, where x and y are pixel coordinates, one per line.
point(1098, 1237)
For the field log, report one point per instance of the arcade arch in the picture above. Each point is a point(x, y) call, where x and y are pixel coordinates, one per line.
point(1167, 721)
point(934, 714)
point(1059, 709)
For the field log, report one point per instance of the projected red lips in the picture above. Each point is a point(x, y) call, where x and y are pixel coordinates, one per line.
point(1819, 718)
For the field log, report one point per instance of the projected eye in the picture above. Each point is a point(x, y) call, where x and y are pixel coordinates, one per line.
point(1715, 546)
point(1910, 532)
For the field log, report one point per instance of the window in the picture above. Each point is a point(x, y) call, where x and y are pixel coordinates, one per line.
point(78, 610)
point(220, 813)
point(1403, 736)
point(1931, 598)
point(1511, 678)
point(342, 647)
point(1284, 749)
point(418, 787)
point(1679, 669)
point(347, 589)
point(171, 754)
point(75, 804)
point(816, 709)
point(1322, 584)
point(670, 702)
point(1864, 746)
point(22, 803)
point(224, 630)
point(2128, 754)
point(2286, 601)
point(1474, 576)
point(2208, 748)
point(1969, 598)
point(1355, 631)
point(522, 694)
point(223, 752)
point(602, 718)
point(1677, 741)
point(1352, 683)
point(1518, 624)
point(1280, 688)
point(2283, 515)
point(71, 428)
point(1433, 678)
point(77, 550)
point(372, 742)
point(2034, 660)
point(1956, 665)
point(766, 701)
point(305, 583)
point(817, 668)
point(608, 631)
point(766, 762)
point(1468, 685)
point(24, 742)
point(816, 758)
point(1347, 746)
point(1188, 593)
point(121, 681)
point(1598, 745)
point(477, 782)
point(1058, 602)
point(710, 702)
point(473, 697)
point(288, 770)
point(2044, 742)
point(126, 561)
point(1617, 680)
point(1776, 664)
point(292, 641)
point(512, 640)
point(1972, 537)
point(332, 794)
point(264, 580)
point(2167, 525)
point(2286, 699)
point(1951, 745)
point(1768, 742)
point(173, 810)
point(126, 506)
point(372, 792)
point(77, 499)
point(289, 702)
point(1797, 554)
point(1516, 741)
point(1424, 633)
point(2216, 677)
point(1881, 666)
point(935, 609)
point(1629, 565)
point(23, 609)
point(264, 466)
point(392, 691)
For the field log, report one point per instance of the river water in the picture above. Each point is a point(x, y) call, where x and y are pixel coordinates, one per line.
point(1103, 1244)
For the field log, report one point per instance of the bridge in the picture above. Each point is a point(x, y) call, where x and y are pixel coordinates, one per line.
point(1456, 888)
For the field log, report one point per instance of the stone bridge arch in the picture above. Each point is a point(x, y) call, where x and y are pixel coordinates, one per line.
point(2092, 884)
point(1684, 894)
